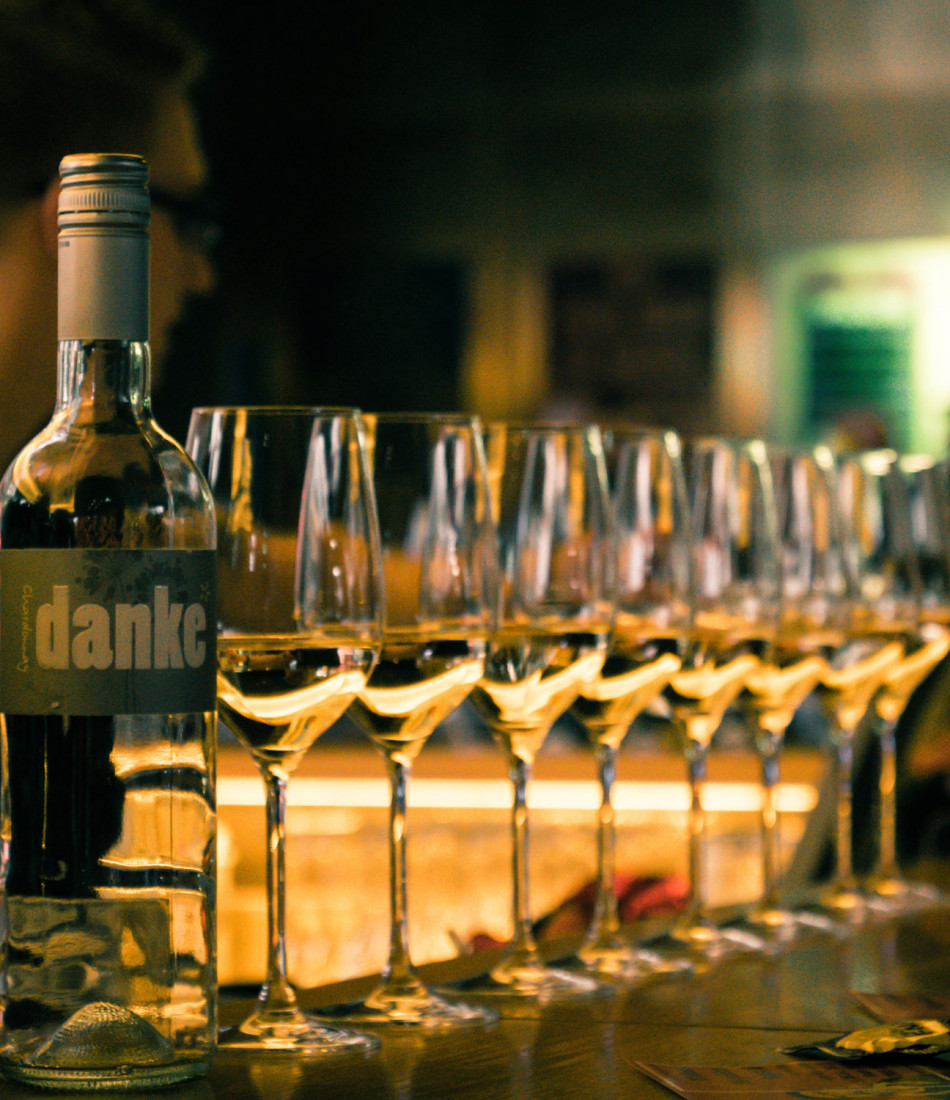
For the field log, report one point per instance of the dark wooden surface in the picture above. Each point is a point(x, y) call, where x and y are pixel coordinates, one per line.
point(740, 1013)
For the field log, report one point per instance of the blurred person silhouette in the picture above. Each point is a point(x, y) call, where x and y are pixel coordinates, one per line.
point(90, 76)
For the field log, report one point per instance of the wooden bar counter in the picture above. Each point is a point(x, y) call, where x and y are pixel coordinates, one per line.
point(740, 1013)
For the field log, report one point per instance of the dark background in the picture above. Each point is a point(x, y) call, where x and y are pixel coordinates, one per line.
point(367, 157)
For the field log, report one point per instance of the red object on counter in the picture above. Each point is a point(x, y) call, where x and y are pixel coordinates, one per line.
point(638, 896)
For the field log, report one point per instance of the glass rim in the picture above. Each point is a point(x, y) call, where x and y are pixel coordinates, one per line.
point(422, 417)
point(753, 445)
point(708, 439)
point(553, 425)
point(279, 410)
point(637, 431)
point(634, 428)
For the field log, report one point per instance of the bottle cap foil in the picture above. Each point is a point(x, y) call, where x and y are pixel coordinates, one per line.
point(103, 247)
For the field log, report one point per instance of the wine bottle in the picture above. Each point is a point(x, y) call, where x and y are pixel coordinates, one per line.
point(107, 681)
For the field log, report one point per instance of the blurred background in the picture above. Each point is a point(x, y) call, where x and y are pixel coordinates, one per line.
point(715, 215)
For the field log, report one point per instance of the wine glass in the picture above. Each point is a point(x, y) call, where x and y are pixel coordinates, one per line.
point(552, 509)
point(928, 642)
point(735, 590)
point(650, 559)
point(812, 595)
point(880, 611)
point(440, 574)
point(298, 629)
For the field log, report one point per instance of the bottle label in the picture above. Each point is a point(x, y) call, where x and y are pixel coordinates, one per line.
point(103, 632)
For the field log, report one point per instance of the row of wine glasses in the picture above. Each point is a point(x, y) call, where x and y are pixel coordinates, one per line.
point(909, 547)
point(394, 565)
point(320, 512)
point(926, 485)
point(863, 547)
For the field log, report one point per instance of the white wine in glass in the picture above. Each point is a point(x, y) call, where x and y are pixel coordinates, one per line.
point(552, 510)
point(299, 628)
point(812, 594)
point(649, 556)
point(879, 616)
point(927, 644)
point(438, 554)
point(735, 593)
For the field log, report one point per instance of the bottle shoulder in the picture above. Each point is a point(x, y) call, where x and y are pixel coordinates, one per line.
point(126, 484)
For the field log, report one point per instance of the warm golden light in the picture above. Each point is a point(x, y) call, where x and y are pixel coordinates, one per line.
point(495, 794)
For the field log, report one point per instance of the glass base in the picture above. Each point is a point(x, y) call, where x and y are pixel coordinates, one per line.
point(773, 922)
point(616, 960)
point(893, 894)
point(819, 922)
point(704, 942)
point(294, 1031)
point(101, 1046)
point(416, 1008)
point(121, 1079)
point(773, 927)
point(843, 901)
point(531, 979)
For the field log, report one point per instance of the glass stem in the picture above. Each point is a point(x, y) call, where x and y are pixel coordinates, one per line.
point(605, 924)
point(277, 994)
point(524, 948)
point(844, 764)
point(769, 827)
point(696, 764)
point(398, 974)
point(887, 866)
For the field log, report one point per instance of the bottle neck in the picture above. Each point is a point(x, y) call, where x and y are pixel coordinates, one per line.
point(108, 379)
point(103, 320)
